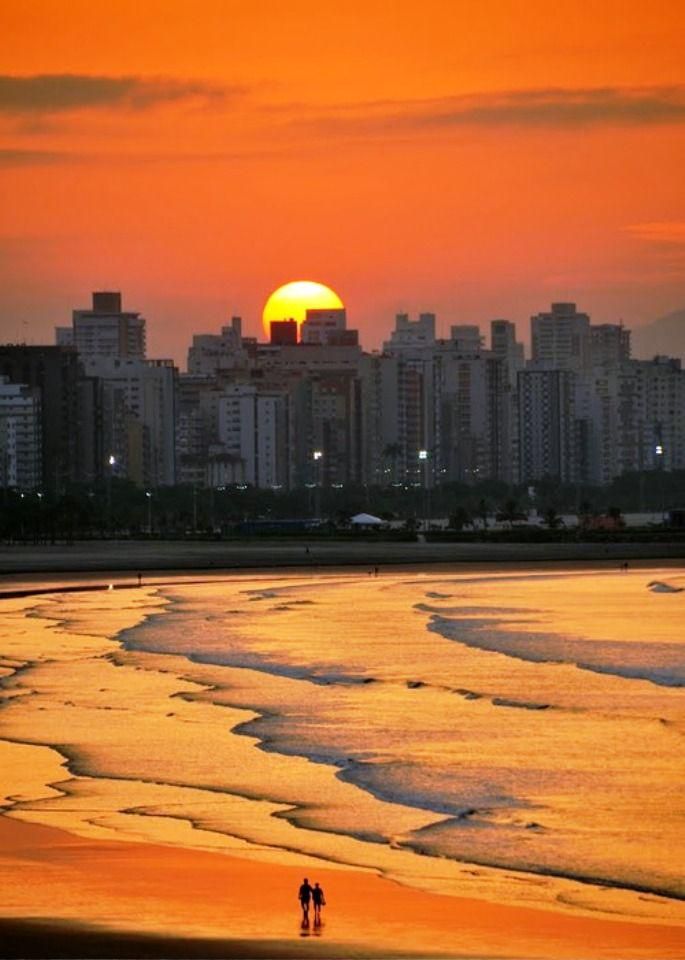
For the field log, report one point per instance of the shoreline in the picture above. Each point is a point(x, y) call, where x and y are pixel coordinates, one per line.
point(196, 903)
point(35, 583)
point(71, 895)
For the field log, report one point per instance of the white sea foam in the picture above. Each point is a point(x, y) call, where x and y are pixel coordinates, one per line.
point(341, 720)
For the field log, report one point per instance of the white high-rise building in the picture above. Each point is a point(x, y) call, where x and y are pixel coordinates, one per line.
point(105, 330)
point(139, 416)
point(411, 333)
point(630, 416)
point(223, 351)
point(413, 343)
point(324, 327)
point(252, 434)
point(20, 436)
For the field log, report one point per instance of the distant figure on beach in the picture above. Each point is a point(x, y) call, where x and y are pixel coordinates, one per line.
point(140, 579)
point(375, 571)
point(304, 896)
point(624, 566)
point(319, 901)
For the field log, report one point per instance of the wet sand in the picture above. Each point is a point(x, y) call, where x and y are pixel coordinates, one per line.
point(80, 894)
point(72, 897)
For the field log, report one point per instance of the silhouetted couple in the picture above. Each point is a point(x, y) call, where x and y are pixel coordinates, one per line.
point(307, 895)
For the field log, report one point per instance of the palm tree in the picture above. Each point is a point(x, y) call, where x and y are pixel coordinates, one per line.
point(552, 518)
point(459, 518)
point(616, 516)
point(509, 513)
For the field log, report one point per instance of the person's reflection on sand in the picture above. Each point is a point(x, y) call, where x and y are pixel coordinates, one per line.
point(304, 895)
point(319, 901)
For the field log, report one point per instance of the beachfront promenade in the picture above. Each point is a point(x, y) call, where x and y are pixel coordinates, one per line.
point(134, 555)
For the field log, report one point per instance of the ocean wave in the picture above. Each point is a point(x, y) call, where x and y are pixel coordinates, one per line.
point(476, 841)
point(659, 663)
point(658, 586)
point(470, 802)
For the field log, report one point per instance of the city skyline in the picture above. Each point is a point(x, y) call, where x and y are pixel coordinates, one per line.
point(309, 407)
point(471, 163)
point(667, 342)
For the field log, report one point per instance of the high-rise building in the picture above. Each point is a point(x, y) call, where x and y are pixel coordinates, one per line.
point(57, 374)
point(659, 397)
point(283, 332)
point(413, 343)
point(20, 436)
point(224, 351)
point(550, 435)
point(196, 427)
point(609, 344)
point(139, 429)
point(504, 345)
point(324, 433)
point(633, 417)
point(323, 326)
point(466, 338)
point(395, 420)
point(475, 441)
point(561, 338)
point(252, 436)
point(107, 331)
point(412, 333)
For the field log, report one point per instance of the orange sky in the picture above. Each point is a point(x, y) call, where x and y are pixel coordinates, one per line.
point(475, 159)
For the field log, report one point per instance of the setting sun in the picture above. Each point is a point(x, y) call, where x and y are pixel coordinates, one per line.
point(292, 300)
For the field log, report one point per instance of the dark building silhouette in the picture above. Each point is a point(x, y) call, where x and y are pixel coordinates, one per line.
point(57, 373)
point(283, 332)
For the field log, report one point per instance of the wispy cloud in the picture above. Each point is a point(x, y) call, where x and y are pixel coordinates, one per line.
point(550, 107)
point(661, 242)
point(669, 232)
point(47, 94)
point(26, 158)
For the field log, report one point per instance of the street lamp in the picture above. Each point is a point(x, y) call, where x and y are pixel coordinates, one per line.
point(317, 456)
point(112, 461)
point(423, 460)
point(148, 496)
point(659, 454)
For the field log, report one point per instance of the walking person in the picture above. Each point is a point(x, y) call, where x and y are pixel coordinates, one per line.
point(304, 896)
point(319, 901)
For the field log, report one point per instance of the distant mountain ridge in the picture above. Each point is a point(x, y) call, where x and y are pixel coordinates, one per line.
point(664, 336)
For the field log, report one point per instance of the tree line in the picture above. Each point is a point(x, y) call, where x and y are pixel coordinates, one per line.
point(120, 508)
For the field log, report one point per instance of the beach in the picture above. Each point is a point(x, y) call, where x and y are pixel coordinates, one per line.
point(196, 904)
point(176, 757)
